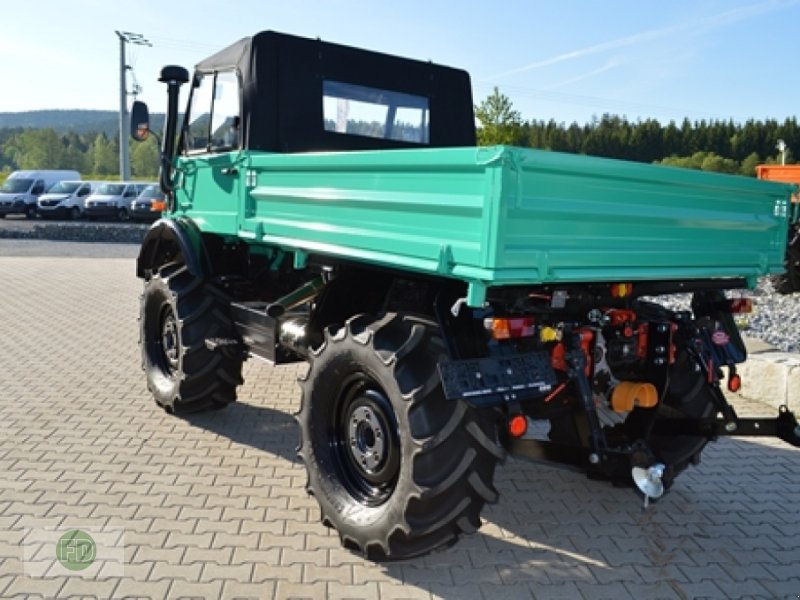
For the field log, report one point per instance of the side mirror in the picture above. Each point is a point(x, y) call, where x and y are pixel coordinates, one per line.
point(140, 121)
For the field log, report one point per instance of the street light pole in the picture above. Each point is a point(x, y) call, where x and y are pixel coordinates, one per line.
point(781, 147)
point(138, 39)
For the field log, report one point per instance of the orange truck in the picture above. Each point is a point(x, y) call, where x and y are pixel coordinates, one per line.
point(789, 282)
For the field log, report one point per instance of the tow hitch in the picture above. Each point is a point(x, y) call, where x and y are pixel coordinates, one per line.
point(784, 426)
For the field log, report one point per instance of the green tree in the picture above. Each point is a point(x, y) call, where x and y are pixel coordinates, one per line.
point(105, 159)
point(748, 166)
point(719, 164)
point(144, 158)
point(500, 123)
point(36, 149)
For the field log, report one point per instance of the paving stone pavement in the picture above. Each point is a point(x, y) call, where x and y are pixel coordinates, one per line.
point(213, 506)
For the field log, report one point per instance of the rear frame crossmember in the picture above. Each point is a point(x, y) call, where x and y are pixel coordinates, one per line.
point(615, 463)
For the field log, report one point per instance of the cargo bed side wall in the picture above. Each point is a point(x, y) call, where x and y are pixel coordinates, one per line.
point(423, 210)
point(579, 218)
point(498, 216)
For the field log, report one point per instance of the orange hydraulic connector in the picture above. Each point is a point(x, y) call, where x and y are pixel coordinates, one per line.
point(631, 393)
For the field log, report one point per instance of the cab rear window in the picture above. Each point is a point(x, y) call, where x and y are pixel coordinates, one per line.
point(352, 109)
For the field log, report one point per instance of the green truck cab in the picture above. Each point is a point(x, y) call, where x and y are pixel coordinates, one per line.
point(328, 204)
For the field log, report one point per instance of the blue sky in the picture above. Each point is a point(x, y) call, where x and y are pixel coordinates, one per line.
point(566, 60)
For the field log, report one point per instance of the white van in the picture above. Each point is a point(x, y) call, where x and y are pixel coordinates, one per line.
point(66, 199)
point(112, 199)
point(19, 193)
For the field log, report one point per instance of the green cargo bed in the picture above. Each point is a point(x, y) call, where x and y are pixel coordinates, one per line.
point(503, 216)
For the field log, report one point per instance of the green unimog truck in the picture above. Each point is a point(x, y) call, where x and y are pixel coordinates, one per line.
point(455, 303)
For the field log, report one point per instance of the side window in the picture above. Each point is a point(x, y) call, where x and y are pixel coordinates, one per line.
point(214, 113)
point(38, 187)
point(84, 191)
point(200, 113)
point(225, 114)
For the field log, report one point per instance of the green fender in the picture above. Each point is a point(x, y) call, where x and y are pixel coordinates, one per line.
point(172, 240)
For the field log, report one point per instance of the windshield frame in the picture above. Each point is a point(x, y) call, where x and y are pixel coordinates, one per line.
point(110, 189)
point(71, 187)
point(22, 185)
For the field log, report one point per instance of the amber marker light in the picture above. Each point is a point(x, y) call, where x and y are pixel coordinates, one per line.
point(510, 328)
point(621, 290)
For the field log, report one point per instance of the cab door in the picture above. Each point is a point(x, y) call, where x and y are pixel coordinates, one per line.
point(208, 187)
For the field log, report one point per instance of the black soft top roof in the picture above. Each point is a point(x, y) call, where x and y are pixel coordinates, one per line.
point(282, 77)
point(236, 55)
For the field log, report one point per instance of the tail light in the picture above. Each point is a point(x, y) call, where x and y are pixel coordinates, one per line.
point(507, 328)
point(740, 306)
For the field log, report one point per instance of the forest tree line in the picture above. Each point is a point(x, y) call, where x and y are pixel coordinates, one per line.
point(712, 145)
point(94, 155)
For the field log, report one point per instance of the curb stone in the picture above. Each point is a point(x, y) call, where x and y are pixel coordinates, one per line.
point(122, 233)
point(770, 376)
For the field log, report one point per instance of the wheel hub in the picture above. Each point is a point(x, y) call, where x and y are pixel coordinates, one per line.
point(367, 436)
point(169, 340)
point(365, 441)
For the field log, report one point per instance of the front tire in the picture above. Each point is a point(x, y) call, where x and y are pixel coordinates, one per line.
point(396, 468)
point(178, 313)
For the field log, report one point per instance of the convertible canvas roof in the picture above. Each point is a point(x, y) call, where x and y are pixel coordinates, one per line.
point(282, 78)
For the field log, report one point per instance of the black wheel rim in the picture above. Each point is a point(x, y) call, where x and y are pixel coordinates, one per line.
point(364, 440)
point(168, 342)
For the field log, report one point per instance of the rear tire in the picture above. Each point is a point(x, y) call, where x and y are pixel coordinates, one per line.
point(688, 395)
point(122, 214)
point(789, 282)
point(396, 468)
point(178, 313)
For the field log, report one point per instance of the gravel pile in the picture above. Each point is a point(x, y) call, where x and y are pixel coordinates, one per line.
point(775, 318)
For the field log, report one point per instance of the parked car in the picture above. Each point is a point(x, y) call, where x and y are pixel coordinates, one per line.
point(149, 204)
point(112, 200)
point(19, 193)
point(66, 199)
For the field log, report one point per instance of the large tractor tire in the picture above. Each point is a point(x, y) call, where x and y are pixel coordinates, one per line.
point(178, 313)
point(688, 396)
point(396, 469)
point(789, 282)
